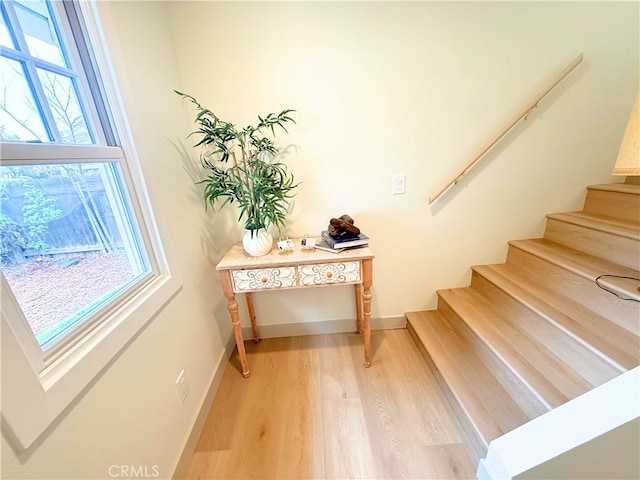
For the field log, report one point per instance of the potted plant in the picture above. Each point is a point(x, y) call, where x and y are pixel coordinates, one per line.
point(242, 167)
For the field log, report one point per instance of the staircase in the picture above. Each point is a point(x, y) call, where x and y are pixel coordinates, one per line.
point(537, 331)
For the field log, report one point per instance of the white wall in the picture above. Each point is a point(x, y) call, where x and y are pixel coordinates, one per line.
point(380, 89)
point(416, 88)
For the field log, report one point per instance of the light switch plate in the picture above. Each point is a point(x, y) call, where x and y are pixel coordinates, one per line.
point(398, 184)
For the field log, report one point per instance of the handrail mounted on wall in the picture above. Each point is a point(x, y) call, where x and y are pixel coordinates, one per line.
point(521, 115)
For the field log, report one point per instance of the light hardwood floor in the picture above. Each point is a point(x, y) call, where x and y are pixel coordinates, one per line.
point(311, 410)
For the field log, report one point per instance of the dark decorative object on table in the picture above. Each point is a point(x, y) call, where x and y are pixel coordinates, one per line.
point(343, 227)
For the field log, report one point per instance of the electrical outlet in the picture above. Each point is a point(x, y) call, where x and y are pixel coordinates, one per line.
point(182, 385)
point(398, 185)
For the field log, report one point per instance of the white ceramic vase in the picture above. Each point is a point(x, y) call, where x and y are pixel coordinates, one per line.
point(257, 242)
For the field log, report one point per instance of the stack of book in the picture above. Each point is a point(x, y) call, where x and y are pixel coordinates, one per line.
point(337, 245)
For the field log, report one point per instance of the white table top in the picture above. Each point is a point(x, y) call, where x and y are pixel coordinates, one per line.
point(236, 257)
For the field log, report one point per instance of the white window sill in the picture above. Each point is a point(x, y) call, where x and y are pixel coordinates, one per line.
point(31, 401)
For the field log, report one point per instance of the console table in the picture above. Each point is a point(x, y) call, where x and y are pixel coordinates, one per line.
point(241, 273)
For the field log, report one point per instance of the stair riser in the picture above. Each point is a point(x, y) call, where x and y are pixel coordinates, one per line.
point(578, 288)
point(476, 446)
point(521, 394)
point(609, 340)
point(625, 206)
point(538, 366)
point(609, 246)
point(481, 380)
point(568, 364)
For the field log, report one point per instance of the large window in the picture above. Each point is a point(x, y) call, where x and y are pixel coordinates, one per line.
point(78, 252)
point(69, 244)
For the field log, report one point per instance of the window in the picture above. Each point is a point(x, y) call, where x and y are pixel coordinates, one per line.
point(70, 244)
point(82, 267)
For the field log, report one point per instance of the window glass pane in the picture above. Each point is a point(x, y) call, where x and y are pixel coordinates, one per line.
point(62, 98)
point(39, 31)
point(20, 119)
point(66, 246)
point(5, 35)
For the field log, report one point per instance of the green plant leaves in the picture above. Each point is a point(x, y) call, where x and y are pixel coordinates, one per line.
point(261, 189)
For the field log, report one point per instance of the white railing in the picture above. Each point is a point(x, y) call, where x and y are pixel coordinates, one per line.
point(521, 115)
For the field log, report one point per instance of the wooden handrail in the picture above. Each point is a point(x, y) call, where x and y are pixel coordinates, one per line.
point(522, 114)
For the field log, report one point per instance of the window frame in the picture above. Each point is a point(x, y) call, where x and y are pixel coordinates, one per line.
point(96, 130)
point(37, 388)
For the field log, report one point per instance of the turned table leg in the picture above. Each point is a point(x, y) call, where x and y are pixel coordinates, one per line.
point(358, 295)
point(227, 288)
point(367, 280)
point(252, 317)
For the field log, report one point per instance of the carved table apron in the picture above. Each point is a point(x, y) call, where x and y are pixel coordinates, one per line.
point(241, 273)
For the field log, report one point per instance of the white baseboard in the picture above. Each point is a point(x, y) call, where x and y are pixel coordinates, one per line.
point(322, 327)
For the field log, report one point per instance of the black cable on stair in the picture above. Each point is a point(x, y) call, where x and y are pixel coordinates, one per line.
point(611, 291)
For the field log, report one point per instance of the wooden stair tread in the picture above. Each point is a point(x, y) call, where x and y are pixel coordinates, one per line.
point(579, 287)
point(472, 318)
point(583, 264)
point(465, 375)
point(602, 223)
point(614, 344)
point(547, 375)
point(617, 187)
point(613, 238)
